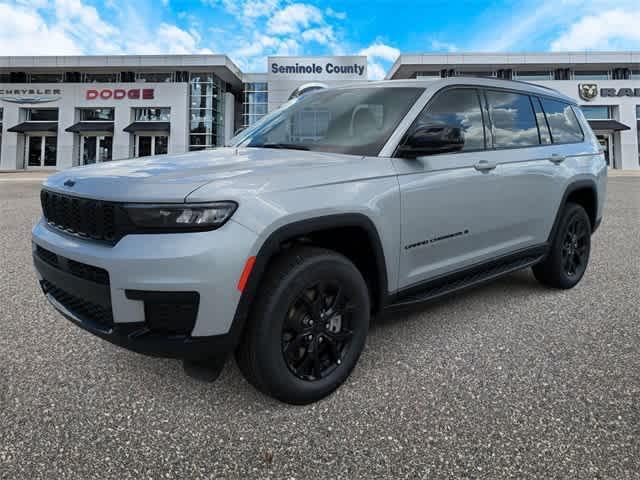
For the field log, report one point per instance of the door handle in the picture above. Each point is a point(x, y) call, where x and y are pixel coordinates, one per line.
point(557, 158)
point(484, 165)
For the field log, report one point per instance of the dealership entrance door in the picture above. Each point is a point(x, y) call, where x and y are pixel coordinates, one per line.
point(147, 145)
point(96, 148)
point(606, 142)
point(41, 151)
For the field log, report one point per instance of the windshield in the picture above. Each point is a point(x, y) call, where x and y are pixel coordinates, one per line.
point(356, 121)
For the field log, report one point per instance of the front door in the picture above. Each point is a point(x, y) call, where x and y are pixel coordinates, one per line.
point(448, 199)
point(147, 145)
point(41, 151)
point(96, 148)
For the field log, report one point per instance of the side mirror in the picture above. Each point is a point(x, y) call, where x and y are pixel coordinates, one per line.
point(432, 139)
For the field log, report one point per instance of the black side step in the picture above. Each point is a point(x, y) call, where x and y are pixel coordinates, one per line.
point(468, 278)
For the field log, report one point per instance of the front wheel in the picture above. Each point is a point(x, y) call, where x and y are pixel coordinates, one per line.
point(308, 326)
point(569, 254)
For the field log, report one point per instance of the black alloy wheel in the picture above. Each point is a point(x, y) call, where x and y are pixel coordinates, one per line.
point(317, 331)
point(307, 327)
point(569, 251)
point(575, 246)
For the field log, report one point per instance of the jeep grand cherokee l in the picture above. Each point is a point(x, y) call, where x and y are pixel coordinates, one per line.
point(344, 203)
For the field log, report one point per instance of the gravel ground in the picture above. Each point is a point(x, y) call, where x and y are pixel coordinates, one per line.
point(507, 381)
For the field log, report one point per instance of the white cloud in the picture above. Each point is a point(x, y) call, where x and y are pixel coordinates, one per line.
point(71, 27)
point(25, 32)
point(377, 54)
point(82, 19)
point(293, 18)
point(615, 29)
point(443, 46)
point(381, 50)
point(321, 35)
point(259, 8)
point(332, 13)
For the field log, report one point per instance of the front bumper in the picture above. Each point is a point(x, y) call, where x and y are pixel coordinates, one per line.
point(138, 338)
point(205, 264)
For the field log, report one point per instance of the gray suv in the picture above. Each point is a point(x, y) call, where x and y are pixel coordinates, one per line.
point(339, 205)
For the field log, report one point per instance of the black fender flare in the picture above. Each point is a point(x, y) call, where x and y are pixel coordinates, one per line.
point(573, 187)
point(271, 247)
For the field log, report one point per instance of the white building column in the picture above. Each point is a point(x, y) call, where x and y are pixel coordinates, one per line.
point(629, 138)
point(9, 154)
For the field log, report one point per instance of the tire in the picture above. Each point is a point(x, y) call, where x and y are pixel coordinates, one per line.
point(568, 257)
point(287, 329)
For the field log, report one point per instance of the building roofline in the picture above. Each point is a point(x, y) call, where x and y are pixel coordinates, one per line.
point(513, 58)
point(122, 61)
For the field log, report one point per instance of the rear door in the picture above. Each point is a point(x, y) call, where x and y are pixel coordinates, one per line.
point(528, 179)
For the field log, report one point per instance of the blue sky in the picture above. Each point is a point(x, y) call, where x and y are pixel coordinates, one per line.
point(250, 30)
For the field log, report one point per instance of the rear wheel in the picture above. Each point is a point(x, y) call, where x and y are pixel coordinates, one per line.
point(308, 326)
point(569, 255)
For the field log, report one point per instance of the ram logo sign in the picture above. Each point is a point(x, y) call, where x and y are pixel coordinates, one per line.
point(588, 91)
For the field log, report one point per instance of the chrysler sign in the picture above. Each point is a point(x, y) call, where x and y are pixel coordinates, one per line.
point(589, 91)
point(30, 95)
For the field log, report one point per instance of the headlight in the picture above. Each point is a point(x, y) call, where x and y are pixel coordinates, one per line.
point(180, 217)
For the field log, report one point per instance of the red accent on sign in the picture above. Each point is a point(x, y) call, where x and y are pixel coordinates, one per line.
point(120, 94)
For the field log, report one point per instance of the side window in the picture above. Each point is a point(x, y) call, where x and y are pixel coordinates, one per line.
point(562, 122)
point(514, 123)
point(456, 111)
point(543, 127)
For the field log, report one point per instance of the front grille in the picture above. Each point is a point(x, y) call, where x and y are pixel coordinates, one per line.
point(84, 217)
point(79, 307)
point(81, 270)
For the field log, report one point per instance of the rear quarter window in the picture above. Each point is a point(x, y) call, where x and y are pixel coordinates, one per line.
point(513, 119)
point(563, 122)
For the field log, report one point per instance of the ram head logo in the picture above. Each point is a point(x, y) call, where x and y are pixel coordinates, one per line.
point(588, 91)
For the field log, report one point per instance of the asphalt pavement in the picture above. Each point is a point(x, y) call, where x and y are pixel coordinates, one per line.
point(510, 380)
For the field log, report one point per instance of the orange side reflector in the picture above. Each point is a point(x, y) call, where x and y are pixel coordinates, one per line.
point(246, 272)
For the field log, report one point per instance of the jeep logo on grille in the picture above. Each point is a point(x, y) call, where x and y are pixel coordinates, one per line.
point(69, 182)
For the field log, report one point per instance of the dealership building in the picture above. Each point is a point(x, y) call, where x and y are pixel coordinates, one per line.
point(58, 112)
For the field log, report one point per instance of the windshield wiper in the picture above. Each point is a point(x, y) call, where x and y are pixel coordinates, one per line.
point(291, 146)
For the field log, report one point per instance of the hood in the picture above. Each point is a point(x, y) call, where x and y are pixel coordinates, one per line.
point(172, 178)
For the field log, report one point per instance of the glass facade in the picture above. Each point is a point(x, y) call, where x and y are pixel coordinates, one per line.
point(591, 75)
point(527, 76)
point(152, 114)
point(97, 114)
point(42, 114)
point(101, 77)
point(428, 75)
point(157, 77)
point(206, 111)
point(254, 102)
point(479, 74)
point(46, 77)
point(597, 112)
